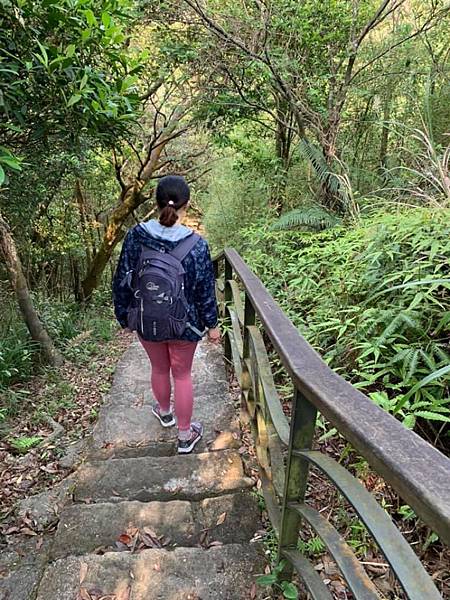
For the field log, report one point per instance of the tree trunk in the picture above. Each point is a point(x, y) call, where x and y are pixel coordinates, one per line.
point(385, 130)
point(361, 130)
point(14, 268)
point(77, 292)
point(81, 202)
point(283, 143)
point(130, 199)
point(331, 196)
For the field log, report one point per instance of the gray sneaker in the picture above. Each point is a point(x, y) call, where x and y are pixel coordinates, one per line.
point(165, 420)
point(186, 446)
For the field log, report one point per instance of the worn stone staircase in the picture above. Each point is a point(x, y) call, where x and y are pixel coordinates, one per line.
point(146, 523)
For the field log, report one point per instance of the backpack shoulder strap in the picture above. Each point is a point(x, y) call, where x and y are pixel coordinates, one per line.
point(184, 247)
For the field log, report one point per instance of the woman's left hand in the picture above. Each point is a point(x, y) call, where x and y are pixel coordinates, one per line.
point(214, 335)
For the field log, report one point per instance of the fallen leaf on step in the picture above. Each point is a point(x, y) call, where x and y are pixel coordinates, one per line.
point(253, 591)
point(221, 519)
point(83, 571)
point(125, 539)
point(124, 594)
point(157, 567)
point(150, 538)
point(150, 541)
point(83, 594)
point(215, 543)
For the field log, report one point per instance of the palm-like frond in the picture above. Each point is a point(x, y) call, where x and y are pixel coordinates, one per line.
point(320, 166)
point(338, 184)
point(312, 216)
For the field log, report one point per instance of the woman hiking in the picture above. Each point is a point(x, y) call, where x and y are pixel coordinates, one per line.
point(164, 289)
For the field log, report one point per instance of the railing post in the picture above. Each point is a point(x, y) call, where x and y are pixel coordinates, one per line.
point(246, 383)
point(303, 422)
point(249, 319)
point(228, 298)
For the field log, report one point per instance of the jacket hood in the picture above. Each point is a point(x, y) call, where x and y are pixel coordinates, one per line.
point(154, 230)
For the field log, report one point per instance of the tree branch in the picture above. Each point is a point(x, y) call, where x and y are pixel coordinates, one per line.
point(152, 90)
point(429, 24)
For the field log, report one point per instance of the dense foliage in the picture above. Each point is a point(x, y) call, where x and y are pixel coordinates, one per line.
point(64, 69)
point(374, 302)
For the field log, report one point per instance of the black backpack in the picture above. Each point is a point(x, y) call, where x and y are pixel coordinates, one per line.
point(159, 310)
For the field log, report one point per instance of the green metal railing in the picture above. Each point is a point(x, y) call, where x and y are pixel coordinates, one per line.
point(419, 473)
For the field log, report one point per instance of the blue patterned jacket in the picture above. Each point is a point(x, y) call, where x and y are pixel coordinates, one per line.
point(199, 280)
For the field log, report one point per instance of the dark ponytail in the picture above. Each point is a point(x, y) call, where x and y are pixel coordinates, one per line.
point(172, 193)
point(168, 216)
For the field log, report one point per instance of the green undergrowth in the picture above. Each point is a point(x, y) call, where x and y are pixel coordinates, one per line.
point(374, 300)
point(79, 333)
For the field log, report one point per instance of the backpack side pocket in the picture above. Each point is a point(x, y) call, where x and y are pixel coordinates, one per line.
point(132, 318)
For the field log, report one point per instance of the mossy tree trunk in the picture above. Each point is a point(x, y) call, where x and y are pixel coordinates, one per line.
point(19, 284)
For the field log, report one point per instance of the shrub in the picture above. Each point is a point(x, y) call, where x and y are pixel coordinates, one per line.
point(374, 301)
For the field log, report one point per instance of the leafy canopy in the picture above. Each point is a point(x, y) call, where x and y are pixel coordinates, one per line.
point(65, 68)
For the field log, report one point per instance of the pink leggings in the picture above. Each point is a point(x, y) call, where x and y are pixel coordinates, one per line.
point(176, 356)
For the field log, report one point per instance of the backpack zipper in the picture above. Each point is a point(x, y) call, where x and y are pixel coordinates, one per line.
point(142, 316)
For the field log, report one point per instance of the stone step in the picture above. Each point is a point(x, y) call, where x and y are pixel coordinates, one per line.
point(126, 420)
point(189, 477)
point(219, 440)
point(84, 528)
point(226, 572)
point(134, 425)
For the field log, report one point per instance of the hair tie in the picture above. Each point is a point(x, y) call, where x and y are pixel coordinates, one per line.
point(171, 203)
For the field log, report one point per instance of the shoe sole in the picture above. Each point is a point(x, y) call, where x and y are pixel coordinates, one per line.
point(191, 447)
point(170, 424)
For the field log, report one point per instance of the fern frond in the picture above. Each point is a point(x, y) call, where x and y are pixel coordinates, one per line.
point(429, 360)
point(338, 184)
point(312, 216)
point(433, 416)
point(401, 319)
point(410, 366)
point(402, 355)
point(440, 353)
point(322, 170)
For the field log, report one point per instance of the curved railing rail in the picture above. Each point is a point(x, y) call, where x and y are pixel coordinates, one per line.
point(417, 471)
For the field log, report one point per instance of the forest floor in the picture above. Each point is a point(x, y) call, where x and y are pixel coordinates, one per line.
point(57, 410)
